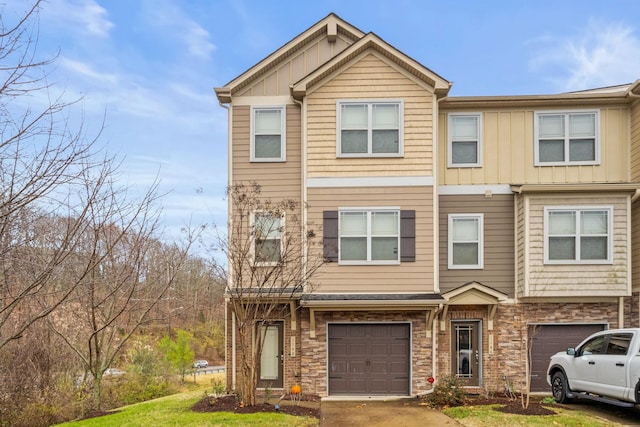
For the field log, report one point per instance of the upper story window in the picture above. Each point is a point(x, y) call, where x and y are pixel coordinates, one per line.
point(267, 238)
point(466, 241)
point(465, 144)
point(578, 235)
point(370, 129)
point(567, 138)
point(268, 134)
point(369, 236)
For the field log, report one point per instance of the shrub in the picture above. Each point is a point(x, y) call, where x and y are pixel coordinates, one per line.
point(448, 391)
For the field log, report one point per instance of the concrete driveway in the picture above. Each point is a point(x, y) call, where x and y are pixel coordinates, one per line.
point(379, 413)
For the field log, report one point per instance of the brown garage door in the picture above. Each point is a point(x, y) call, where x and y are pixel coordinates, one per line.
point(550, 339)
point(369, 359)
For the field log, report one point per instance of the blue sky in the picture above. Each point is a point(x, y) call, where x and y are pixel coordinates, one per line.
point(150, 66)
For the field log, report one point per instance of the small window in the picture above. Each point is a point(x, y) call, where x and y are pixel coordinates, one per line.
point(619, 344)
point(569, 138)
point(267, 238)
point(466, 241)
point(465, 147)
point(369, 236)
point(268, 134)
point(369, 129)
point(578, 235)
point(594, 345)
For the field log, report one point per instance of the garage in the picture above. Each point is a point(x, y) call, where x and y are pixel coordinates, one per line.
point(550, 339)
point(369, 359)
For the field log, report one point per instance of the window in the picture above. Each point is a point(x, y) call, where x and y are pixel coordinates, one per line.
point(267, 238)
point(268, 134)
point(567, 138)
point(578, 235)
point(465, 148)
point(619, 344)
point(466, 241)
point(369, 236)
point(594, 346)
point(370, 129)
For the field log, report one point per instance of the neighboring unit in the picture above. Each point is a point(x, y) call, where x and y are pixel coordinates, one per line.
point(604, 367)
point(456, 232)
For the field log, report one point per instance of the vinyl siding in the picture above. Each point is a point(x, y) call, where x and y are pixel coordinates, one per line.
point(575, 279)
point(508, 151)
point(635, 141)
point(279, 180)
point(370, 77)
point(307, 59)
point(635, 242)
point(498, 271)
point(407, 276)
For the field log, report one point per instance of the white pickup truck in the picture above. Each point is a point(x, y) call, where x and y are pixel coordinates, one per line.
point(604, 367)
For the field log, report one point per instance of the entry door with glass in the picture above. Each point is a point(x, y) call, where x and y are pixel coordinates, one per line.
point(272, 357)
point(466, 352)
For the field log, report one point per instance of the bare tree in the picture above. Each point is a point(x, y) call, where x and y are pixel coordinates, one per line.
point(269, 265)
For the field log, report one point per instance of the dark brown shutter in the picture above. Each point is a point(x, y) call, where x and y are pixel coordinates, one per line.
point(408, 236)
point(330, 235)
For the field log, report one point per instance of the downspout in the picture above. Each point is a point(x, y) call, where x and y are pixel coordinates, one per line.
point(303, 183)
point(434, 331)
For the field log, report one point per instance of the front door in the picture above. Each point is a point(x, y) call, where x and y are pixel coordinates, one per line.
point(272, 357)
point(466, 351)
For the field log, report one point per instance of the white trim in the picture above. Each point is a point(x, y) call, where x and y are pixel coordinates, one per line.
point(480, 222)
point(369, 103)
point(283, 134)
point(370, 181)
point(369, 235)
point(460, 190)
point(566, 137)
point(578, 209)
point(259, 101)
point(478, 141)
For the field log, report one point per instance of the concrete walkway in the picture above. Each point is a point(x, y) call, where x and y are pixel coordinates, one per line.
point(379, 413)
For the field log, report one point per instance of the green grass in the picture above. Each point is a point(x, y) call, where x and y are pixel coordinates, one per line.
point(175, 410)
point(485, 416)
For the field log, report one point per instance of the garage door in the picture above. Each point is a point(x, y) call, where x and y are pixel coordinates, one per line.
point(369, 359)
point(550, 339)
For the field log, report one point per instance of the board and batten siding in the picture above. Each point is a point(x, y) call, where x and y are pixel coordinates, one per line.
point(570, 280)
point(405, 277)
point(279, 180)
point(307, 59)
point(498, 219)
point(371, 77)
point(635, 141)
point(508, 151)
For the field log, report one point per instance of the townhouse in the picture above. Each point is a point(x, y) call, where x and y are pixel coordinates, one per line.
point(460, 234)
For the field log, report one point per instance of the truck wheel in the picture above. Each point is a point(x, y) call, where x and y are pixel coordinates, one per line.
point(559, 387)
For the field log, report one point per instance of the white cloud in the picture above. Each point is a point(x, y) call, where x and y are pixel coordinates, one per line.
point(603, 54)
point(85, 15)
point(168, 16)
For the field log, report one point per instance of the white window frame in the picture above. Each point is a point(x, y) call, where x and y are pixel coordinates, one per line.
point(283, 133)
point(578, 236)
point(566, 114)
point(252, 222)
point(480, 241)
point(370, 103)
point(478, 140)
point(368, 211)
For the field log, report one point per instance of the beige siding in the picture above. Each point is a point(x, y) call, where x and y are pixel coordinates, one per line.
point(635, 245)
point(635, 141)
point(371, 77)
point(508, 151)
point(498, 270)
point(406, 277)
point(279, 180)
point(302, 63)
point(520, 252)
point(582, 279)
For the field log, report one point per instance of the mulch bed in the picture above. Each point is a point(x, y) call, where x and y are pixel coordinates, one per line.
point(230, 404)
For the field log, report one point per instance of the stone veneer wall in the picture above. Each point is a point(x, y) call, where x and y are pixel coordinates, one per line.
point(509, 335)
point(291, 358)
point(632, 311)
point(314, 357)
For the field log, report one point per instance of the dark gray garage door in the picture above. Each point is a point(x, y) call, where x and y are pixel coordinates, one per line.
point(369, 359)
point(550, 339)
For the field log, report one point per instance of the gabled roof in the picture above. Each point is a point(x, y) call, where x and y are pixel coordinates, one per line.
point(330, 26)
point(371, 41)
